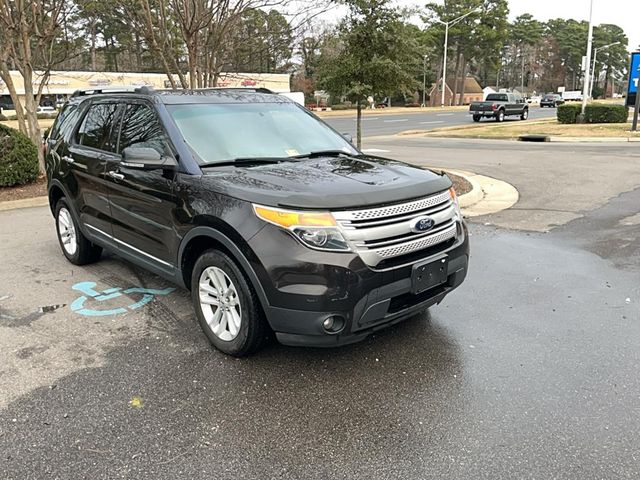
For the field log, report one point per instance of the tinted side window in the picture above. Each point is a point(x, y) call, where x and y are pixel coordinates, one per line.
point(97, 125)
point(62, 121)
point(141, 128)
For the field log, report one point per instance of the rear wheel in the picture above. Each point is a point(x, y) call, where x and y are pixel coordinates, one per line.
point(525, 114)
point(75, 246)
point(500, 116)
point(476, 118)
point(226, 305)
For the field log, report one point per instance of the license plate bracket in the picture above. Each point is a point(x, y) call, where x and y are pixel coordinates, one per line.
point(429, 274)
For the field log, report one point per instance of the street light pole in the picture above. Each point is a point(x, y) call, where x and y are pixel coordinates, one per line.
point(593, 71)
point(446, 44)
point(424, 82)
point(585, 86)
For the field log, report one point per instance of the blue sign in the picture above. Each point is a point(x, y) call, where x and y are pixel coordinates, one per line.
point(102, 299)
point(634, 76)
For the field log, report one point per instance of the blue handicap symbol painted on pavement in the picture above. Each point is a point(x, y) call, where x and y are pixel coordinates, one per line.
point(87, 288)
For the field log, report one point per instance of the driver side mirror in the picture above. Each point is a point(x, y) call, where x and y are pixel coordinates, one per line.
point(145, 158)
point(347, 137)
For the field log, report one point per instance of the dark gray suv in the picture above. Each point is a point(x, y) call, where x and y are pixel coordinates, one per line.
point(274, 221)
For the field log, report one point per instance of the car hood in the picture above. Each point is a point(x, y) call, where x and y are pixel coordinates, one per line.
point(326, 182)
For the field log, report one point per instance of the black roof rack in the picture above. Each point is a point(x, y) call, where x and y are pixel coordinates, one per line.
point(236, 89)
point(144, 90)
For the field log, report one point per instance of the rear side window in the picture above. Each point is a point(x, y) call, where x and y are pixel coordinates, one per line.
point(497, 97)
point(64, 123)
point(96, 128)
point(141, 128)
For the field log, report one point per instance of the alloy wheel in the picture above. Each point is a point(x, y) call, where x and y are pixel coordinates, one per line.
point(220, 303)
point(67, 232)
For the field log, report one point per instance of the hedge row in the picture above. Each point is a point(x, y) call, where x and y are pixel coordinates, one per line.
point(594, 113)
point(18, 158)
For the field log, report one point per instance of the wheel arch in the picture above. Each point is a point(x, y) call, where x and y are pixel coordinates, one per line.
point(224, 238)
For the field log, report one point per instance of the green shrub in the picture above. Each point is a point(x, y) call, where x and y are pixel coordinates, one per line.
point(594, 113)
point(605, 113)
point(18, 158)
point(568, 113)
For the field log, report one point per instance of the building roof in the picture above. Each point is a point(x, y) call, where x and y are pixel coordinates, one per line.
point(64, 82)
point(471, 85)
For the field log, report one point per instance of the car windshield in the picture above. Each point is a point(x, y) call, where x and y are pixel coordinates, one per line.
point(223, 132)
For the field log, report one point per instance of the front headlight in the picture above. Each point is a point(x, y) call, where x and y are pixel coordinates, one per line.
point(317, 230)
point(454, 199)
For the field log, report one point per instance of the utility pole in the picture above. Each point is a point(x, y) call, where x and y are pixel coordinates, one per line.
point(585, 87)
point(424, 82)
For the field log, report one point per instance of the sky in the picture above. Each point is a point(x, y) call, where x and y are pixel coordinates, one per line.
point(624, 13)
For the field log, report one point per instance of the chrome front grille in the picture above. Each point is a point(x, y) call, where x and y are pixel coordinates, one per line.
point(383, 233)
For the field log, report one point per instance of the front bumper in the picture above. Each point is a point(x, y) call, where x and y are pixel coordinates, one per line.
point(303, 295)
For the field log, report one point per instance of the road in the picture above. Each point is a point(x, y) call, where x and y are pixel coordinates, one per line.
point(528, 371)
point(387, 124)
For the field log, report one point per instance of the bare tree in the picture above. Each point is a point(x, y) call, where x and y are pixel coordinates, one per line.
point(31, 32)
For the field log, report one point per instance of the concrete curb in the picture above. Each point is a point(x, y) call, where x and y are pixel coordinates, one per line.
point(24, 203)
point(488, 195)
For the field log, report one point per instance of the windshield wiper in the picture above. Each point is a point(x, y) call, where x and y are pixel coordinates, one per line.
point(248, 161)
point(324, 153)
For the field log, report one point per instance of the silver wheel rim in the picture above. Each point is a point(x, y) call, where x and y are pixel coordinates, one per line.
point(67, 232)
point(220, 303)
point(525, 114)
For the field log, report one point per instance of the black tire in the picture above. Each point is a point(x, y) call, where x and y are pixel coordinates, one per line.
point(525, 114)
point(85, 251)
point(476, 118)
point(253, 330)
point(500, 116)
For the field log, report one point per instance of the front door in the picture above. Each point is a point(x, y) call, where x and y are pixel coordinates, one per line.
point(142, 200)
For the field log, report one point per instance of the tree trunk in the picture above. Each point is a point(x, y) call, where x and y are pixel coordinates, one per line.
point(359, 124)
point(454, 97)
point(92, 48)
point(6, 76)
point(606, 80)
point(463, 81)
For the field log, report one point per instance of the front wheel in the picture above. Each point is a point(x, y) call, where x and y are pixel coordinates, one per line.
point(525, 114)
point(226, 305)
point(75, 246)
point(500, 116)
point(476, 118)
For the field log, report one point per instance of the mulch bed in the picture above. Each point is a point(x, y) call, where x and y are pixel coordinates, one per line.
point(460, 184)
point(30, 190)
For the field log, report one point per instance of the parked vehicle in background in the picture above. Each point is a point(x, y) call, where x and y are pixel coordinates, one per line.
point(273, 220)
point(535, 100)
point(551, 100)
point(572, 96)
point(45, 109)
point(499, 106)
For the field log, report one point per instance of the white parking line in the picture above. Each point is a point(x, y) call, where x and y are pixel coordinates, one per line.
point(445, 114)
point(399, 120)
point(366, 118)
point(435, 121)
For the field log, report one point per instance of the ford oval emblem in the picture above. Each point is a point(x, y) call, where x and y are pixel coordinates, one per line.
point(422, 224)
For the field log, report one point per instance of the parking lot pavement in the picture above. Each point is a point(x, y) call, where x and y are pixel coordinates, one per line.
point(529, 370)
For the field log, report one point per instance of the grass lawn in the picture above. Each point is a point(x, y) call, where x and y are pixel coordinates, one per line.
point(513, 129)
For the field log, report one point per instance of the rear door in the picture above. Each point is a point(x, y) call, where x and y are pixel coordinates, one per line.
point(143, 203)
point(92, 146)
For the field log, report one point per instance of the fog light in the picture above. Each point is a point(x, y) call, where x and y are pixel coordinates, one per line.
point(333, 324)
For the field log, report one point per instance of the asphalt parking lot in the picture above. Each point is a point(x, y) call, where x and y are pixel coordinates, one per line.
point(529, 370)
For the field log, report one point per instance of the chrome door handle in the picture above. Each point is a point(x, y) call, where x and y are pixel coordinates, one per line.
point(68, 159)
point(115, 175)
